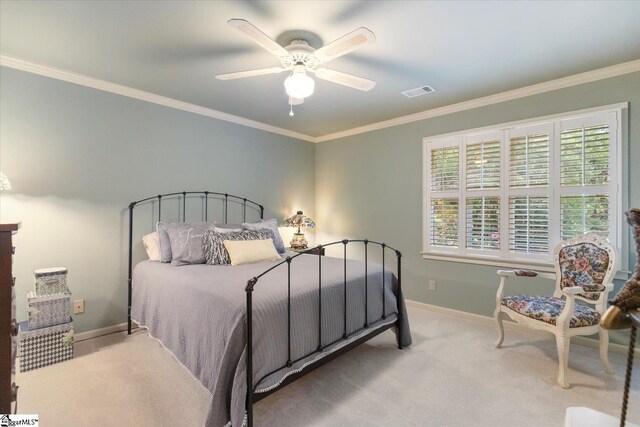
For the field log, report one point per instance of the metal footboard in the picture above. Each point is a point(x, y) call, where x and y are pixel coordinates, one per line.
point(252, 395)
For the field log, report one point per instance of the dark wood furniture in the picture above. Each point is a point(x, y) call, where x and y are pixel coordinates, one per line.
point(312, 251)
point(8, 324)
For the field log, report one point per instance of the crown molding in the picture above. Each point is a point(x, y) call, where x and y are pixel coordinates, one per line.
point(80, 79)
point(561, 83)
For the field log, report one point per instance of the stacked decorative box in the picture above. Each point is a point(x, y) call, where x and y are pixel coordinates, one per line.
point(47, 337)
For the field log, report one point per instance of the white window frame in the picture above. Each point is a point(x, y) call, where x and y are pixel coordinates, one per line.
point(615, 115)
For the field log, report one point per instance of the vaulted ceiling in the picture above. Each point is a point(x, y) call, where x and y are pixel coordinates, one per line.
point(465, 50)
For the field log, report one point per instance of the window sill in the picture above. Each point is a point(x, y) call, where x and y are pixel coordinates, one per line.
point(502, 263)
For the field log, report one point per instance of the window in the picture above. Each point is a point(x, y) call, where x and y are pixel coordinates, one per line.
point(510, 194)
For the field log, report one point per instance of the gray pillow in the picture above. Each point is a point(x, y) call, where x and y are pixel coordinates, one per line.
point(165, 243)
point(270, 224)
point(213, 243)
point(186, 241)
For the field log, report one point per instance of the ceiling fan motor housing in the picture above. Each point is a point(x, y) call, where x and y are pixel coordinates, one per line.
point(300, 53)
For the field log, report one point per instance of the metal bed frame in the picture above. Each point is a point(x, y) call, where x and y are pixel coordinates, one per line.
point(253, 396)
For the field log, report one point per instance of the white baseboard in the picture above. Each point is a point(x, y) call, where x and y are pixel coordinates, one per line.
point(94, 333)
point(510, 325)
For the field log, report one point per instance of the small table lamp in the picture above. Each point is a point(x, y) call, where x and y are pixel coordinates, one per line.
point(301, 221)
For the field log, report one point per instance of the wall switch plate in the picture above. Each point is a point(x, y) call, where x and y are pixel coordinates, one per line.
point(432, 285)
point(78, 306)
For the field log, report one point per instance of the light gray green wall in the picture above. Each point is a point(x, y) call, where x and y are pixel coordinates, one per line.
point(77, 156)
point(371, 185)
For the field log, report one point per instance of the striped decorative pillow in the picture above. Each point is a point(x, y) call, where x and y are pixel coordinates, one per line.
point(213, 243)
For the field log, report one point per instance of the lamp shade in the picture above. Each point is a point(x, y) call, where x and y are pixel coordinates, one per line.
point(299, 220)
point(298, 84)
point(5, 184)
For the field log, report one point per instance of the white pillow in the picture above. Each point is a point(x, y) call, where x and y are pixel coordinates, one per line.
point(248, 251)
point(151, 243)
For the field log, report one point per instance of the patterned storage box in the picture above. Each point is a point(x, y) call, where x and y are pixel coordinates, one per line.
point(48, 310)
point(45, 346)
point(50, 281)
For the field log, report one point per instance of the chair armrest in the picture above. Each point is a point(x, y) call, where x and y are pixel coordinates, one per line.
point(526, 273)
point(504, 274)
point(575, 290)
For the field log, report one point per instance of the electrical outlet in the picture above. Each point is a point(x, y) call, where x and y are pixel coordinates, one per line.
point(78, 306)
point(432, 285)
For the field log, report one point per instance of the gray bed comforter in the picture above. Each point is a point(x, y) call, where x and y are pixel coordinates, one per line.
point(198, 312)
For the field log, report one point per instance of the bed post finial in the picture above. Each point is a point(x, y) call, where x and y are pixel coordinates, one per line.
point(251, 284)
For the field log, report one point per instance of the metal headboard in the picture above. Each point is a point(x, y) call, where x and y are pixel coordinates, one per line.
point(184, 194)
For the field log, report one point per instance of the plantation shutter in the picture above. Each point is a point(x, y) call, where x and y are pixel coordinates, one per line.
point(529, 224)
point(529, 161)
point(529, 216)
point(483, 223)
point(584, 177)
point(483, 165)
point(444, 183)
point(444, 222)
point(445, 168)
point(582, 214)
point(584, 156)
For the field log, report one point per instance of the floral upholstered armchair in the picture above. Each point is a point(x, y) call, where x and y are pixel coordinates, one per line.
point(584, 270)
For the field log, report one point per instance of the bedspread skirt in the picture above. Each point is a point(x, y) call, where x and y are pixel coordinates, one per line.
point(198, 312)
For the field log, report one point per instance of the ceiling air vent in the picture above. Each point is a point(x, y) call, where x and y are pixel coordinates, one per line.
point(422, 90)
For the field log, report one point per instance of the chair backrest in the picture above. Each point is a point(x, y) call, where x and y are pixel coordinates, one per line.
point(588, 260)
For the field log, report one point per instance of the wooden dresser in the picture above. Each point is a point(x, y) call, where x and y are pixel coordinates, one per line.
point(8, 324)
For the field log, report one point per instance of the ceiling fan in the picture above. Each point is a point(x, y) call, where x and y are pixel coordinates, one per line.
point(300, 58)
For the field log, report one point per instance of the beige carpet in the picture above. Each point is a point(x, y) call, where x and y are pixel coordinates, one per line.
point(451, 376)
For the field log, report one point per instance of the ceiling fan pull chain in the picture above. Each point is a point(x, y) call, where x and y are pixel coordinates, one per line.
point(291, 111)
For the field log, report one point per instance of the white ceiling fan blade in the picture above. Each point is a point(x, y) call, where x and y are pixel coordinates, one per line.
point(258, 36)
point(250, 73)
point(345, 79)
point(345, 44)
point(295, 101)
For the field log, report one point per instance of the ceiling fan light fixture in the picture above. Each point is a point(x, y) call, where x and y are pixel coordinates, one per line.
point(298, 84)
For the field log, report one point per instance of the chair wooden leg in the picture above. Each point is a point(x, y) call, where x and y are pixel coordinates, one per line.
point(498, 317)
point(562, 342)
point(604, 350)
